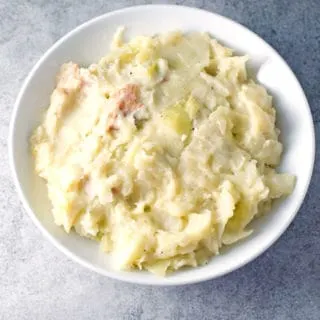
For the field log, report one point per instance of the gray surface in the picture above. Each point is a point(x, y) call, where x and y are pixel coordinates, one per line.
point(39, 282)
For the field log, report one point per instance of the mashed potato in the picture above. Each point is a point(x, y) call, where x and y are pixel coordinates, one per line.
point(164, 151)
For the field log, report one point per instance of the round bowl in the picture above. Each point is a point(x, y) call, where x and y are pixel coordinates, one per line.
point(89, 42)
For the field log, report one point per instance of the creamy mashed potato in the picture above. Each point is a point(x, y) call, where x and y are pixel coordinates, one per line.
point(164, 151)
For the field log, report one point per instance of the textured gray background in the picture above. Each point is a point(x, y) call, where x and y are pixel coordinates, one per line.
point(39, 282)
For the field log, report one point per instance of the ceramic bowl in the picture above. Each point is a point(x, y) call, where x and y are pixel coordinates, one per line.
point(89, 42)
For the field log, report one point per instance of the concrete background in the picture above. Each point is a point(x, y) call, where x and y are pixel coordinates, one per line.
point(39, 282)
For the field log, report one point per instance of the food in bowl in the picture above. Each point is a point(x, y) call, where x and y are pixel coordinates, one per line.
point(164, 151)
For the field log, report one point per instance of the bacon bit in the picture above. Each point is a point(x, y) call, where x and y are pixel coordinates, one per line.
point(127, 99)
point(126, 102)
point(115, 190)
point(70, 80)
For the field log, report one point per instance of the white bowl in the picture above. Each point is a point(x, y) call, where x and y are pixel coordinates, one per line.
point(89, 42)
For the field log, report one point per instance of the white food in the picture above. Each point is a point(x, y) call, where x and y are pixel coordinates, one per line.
point(164, 151)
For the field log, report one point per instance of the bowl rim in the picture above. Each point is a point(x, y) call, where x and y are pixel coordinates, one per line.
point(114, 275)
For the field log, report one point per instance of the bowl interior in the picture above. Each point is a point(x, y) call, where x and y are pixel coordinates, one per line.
point(86, 45)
